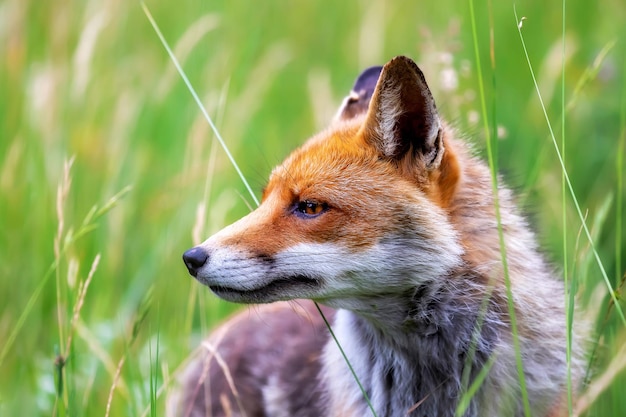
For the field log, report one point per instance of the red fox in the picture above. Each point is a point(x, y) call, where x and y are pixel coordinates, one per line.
point(388, 221)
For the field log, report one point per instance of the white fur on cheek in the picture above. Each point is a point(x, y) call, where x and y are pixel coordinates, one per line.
point(392, 265)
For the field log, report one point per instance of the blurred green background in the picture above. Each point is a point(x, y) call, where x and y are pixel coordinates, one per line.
point(89, 81)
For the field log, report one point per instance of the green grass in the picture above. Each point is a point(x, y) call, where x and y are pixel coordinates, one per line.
point(96, 315)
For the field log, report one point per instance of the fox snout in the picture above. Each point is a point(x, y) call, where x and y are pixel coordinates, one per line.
point(194, 259)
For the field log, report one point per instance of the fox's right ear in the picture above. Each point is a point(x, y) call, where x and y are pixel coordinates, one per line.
point(402, 115)
point(358, 101)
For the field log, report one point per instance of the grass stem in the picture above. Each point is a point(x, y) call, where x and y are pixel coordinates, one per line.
point(496, 203)
point(570, 188)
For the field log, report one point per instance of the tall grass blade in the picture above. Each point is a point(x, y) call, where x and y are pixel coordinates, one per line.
point(197, 100)
point(570, 188)
point(496, 203)
point(475, 386)
point(569, 288)
point(356, 378)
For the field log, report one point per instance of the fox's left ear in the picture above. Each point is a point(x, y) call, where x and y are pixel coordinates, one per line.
point(402, 115)
point(359, 98)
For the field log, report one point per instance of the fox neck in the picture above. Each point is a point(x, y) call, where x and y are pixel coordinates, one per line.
point(414, 363)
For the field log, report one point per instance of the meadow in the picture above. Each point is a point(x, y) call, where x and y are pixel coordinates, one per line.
point(109, 171)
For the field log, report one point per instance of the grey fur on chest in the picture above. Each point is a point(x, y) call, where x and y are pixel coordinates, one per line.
point(418, 368)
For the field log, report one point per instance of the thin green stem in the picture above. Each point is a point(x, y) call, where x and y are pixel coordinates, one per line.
point(569, 292)
point(567, 180)
point(195, 96)
point(356, 378)
point(496, 202)
point(470, 390)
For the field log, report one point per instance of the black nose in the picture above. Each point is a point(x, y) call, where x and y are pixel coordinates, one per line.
point(194, 259)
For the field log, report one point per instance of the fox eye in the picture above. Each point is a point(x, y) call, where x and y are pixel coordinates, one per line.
point(309, 208)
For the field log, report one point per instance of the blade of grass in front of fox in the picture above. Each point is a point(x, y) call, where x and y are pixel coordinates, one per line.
point(343, 354)
point(570, 188)
point(470, 390)
point(569, 292)
point(494, 183)
point(475, 386)
point(232, 160)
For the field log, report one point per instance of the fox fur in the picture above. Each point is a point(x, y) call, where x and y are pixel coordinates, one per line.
point(388, 221)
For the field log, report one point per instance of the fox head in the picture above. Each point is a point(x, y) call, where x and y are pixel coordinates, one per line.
point(358, 212)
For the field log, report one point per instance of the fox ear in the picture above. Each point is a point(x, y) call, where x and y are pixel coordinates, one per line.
point(359, 98)
point(402, 115)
